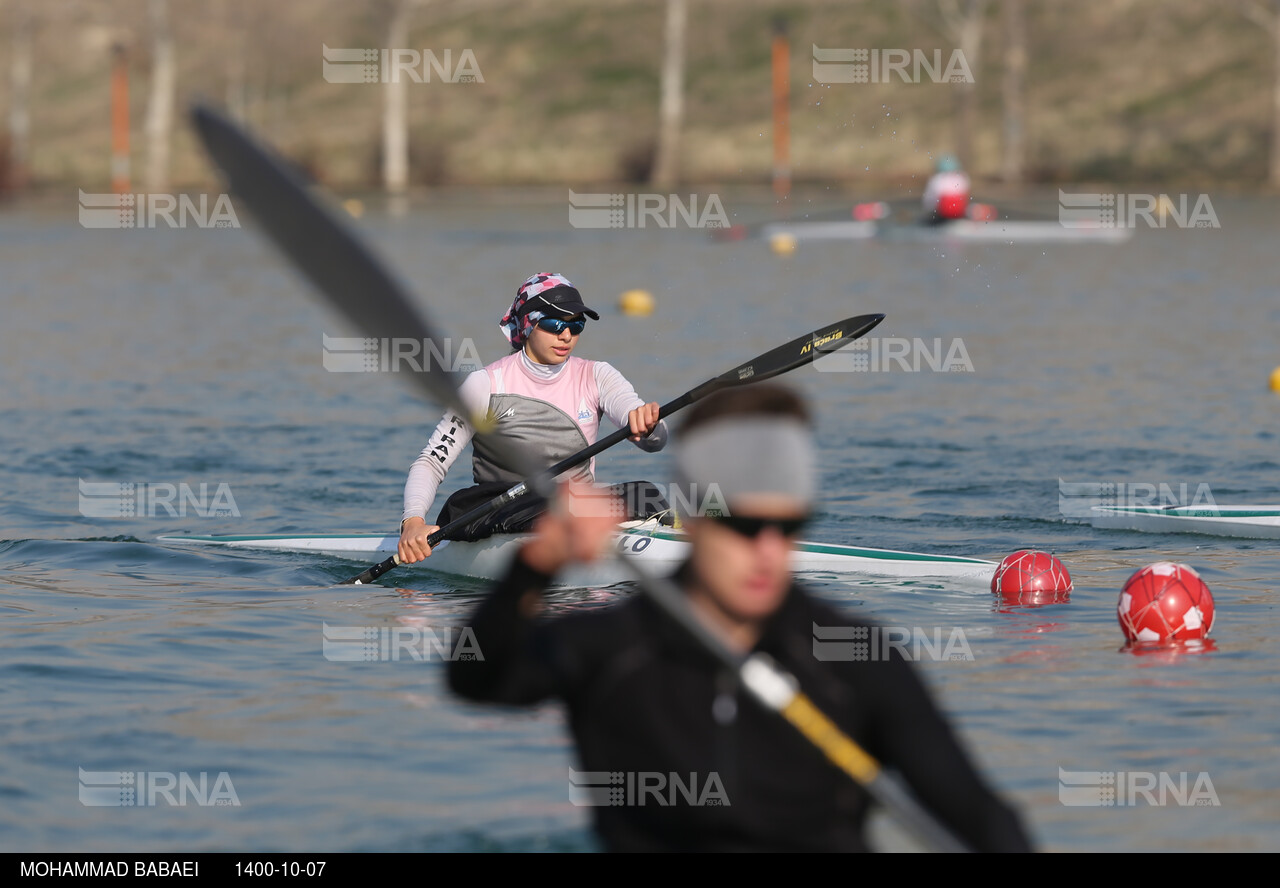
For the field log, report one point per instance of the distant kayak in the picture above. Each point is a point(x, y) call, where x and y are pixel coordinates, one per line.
point(1246, 522)
point(992, 231)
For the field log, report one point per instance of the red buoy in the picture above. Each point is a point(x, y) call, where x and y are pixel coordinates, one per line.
point(870, 212)
point(1165, 602)
point(1031, 578)
point(980, 212)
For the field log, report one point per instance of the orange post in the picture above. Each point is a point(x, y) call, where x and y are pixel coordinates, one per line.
point(120, 121)
point(781, 106)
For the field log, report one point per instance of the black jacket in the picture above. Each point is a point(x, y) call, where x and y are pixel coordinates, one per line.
point(693, 762)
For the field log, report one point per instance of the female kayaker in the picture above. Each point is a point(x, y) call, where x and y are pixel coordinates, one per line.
point(546, 401)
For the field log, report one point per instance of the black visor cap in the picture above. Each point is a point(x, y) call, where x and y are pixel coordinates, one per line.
point(559, 301)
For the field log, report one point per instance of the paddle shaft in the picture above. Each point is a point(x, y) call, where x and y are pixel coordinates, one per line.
point(776, 689)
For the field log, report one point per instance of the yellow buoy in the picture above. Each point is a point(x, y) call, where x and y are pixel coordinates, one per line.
point(1275, 380)
point(783, 244)
point(636, 303)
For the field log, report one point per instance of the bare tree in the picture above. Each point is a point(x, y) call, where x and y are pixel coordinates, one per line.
point(19, 97)
point(160, 99)
point(962, 22)
point(666, 167)
point(395, 112)
point(1267, 17)
point(236, 42)
point(1014, 100)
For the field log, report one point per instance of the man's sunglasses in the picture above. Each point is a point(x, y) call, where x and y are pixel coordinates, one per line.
point(753, 527)
point(557, 326)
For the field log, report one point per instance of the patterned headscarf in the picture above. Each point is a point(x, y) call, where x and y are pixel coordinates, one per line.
point(517, 328)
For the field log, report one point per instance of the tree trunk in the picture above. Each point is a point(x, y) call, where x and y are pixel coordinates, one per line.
point(19, 96)
point(232, 18)
point(1268, 19)
point(969, 33)
point(236, 98)
point(666, 167)
point(395, 115)
point(1275, 100)
point(160, 100)
point(1015, 72)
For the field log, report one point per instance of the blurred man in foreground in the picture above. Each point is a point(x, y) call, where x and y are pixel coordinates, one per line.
point(646, 701)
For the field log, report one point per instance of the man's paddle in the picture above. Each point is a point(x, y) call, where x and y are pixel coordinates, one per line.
point(796, 353)
point(356, 282)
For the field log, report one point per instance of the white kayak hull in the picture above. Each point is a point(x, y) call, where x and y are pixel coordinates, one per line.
point(960, 230)
point(1246, 522)
point(659, 550)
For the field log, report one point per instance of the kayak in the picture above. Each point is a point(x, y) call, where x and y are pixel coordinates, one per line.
point(1248, 522)
point(960, 230)
point(656, 548)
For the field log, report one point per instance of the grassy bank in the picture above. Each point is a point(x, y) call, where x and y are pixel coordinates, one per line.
point(1171, 93)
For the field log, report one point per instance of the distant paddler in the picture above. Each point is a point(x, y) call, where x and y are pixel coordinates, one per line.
point(947, 196)
point(947, 193)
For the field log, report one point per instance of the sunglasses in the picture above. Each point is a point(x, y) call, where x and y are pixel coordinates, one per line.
point(753, 527)
point(557, 326)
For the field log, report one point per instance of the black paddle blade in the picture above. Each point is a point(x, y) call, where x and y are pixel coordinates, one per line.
point(799, 351)
point(324, 247)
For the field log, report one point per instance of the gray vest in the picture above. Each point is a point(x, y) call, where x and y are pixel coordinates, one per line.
point(542, 433)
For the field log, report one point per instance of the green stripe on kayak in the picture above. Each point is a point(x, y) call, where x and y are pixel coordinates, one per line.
point(813, 548)
point(1193, 512)
point(833, 549)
